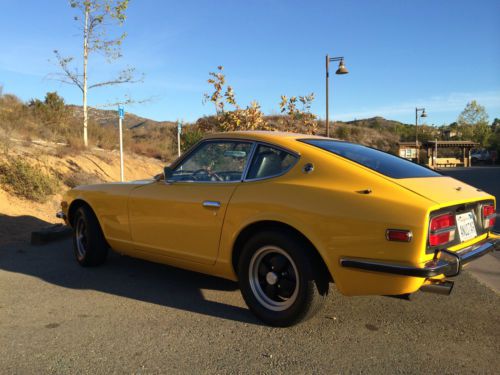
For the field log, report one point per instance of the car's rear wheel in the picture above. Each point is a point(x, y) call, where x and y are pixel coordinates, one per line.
point(89, 244)
point(279, 279)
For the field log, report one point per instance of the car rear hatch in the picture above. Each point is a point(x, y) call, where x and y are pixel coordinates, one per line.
point(441, 190)
point(461, 202)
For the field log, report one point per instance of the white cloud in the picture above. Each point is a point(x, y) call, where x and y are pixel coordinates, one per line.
point(435, 104)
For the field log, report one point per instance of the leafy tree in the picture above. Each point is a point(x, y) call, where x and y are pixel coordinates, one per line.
point(95, 16)
point(495, 125)
point(51, 113)
point(473, 123)
point(297, 119)
point(249, 118)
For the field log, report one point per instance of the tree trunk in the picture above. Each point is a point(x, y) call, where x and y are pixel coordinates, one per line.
point(85, 58)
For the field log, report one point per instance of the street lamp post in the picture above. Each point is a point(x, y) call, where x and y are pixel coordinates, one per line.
point(341, 70)
point(417, 110)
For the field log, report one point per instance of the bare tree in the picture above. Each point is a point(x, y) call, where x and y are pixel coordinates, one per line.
point(95, 16)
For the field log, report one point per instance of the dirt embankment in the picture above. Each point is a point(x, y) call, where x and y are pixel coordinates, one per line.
point(19, 216)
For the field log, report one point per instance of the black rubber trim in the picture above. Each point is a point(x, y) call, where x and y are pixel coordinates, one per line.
point(431, 269)
point(450, 267)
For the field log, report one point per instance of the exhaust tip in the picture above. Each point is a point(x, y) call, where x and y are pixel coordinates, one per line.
point(439, 287)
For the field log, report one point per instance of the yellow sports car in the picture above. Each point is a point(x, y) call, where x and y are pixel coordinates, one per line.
point(288, 214)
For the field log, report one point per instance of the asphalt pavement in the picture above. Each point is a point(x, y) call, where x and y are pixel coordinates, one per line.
point(131, 316)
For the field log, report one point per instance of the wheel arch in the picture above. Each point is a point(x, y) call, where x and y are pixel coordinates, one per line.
point(75, 205)
point(266, 225)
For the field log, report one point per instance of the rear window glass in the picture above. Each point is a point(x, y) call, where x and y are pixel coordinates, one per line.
point(269, 162)
point(382, 162)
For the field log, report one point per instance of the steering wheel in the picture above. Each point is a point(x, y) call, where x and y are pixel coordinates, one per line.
point(209, 174)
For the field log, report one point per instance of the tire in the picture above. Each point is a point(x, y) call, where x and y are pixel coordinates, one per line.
point(280, 280)
point(89, 244)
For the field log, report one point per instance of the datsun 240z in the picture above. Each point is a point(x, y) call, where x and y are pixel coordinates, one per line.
point(286, 215)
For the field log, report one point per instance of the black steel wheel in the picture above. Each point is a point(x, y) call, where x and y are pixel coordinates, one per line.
point(89, 244)
point(279, 279)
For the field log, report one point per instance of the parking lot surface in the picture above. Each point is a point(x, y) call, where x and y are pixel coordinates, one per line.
point(131, 316)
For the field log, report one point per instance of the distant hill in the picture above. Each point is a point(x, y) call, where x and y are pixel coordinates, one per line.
point(110, 118)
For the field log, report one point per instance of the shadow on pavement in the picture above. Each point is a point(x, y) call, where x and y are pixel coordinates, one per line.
point(122, 276)
point(19, 228)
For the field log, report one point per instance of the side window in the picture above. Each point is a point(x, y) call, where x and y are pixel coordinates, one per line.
point(270, 161)
point(217, 161)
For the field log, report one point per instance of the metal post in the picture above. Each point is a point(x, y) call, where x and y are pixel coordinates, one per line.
point(416, 125)
point(178, 138)
point(121, 148)
point(416, 135)
point(327, 123)
point(436, 153)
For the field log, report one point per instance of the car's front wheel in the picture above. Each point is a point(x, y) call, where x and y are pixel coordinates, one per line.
point(90, 246)
point(279, 280)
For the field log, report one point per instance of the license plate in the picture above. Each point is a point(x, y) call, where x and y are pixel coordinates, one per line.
point(466, 227)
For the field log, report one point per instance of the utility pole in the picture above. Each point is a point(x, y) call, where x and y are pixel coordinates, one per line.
point(121, 114)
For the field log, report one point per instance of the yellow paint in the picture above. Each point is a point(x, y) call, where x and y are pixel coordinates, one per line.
point(167, 223)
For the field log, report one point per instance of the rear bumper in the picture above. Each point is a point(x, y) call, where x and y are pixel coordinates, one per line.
point(448, 264)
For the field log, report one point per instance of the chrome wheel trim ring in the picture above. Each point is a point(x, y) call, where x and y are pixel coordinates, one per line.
point(255, 285)
point(81, 238)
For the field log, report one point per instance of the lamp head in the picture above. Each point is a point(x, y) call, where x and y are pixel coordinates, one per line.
point(423, 114)
point(342, 69)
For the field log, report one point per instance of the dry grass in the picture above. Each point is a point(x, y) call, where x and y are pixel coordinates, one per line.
point(81, 178)
point(38, 120)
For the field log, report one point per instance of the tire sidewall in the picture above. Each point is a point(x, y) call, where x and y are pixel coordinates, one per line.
point(96, 248)
point(296, 250)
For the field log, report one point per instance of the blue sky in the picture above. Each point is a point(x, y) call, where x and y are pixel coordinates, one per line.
point(401, 54)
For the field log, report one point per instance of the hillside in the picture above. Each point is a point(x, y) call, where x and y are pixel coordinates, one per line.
point(65, 168)
point(53, 120)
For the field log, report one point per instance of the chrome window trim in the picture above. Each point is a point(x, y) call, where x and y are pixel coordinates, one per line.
point(293, 153)
point(250, 161)
point(251, 155)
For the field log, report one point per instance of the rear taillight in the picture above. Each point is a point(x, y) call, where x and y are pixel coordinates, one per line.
point(489, 216)
point(442, 229)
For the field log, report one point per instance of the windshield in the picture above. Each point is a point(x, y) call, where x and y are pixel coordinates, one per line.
point(382, 162)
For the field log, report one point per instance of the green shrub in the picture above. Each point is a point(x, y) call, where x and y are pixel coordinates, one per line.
point(27, 181)
point(190, 135)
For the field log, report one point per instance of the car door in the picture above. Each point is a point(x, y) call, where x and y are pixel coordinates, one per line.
point(183, 216)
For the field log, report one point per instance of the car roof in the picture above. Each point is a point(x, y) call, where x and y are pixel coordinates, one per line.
point(276, 137)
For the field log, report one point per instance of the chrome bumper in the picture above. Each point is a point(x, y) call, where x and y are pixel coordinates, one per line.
point(449, 263)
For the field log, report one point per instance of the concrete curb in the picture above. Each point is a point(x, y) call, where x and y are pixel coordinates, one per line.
point(48, 234)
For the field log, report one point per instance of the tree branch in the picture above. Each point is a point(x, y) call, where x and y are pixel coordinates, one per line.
point(72, 77)
point(126, 76)
point(128, 100)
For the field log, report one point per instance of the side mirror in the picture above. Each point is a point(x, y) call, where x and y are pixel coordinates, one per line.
point(168, 173)
point(158, 177)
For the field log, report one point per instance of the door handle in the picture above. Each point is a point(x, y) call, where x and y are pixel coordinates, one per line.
point(211, 204)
